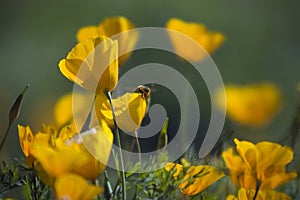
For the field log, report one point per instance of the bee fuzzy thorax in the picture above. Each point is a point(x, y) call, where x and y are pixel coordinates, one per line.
point(144, 90)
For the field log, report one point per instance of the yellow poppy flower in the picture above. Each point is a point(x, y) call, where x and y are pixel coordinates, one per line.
point(264, 162)
point(239, 173)
point(93, 64)
point(252, 105)
point(72, 155)
point(267, 161)
point(209, 41)
point(196, 179)
point(244, 194)
point(130, 110)
point(73, 187)
point(110, 27)
point(53, 152)
point(27, 139)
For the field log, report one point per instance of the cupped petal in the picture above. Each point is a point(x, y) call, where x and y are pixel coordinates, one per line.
point(74, 187)
point(277, 180)
point(272, 159)
point(93, 64)
point(112, 27)
point(282, 155)
point(253, 104)
point(239, 173)
point(63, 111)
point(85, 154)
point(71, 106)
point(130, 110)
point(26, 139)
point(208, 40)
point(55, 162)
point(127, 40)
point(248, 152)
point(97, 144)
point(87, 32)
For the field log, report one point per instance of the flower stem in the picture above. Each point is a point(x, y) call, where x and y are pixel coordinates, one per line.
point(5, 135)
point(117, 134)
point(138, 147)
point(257, 189)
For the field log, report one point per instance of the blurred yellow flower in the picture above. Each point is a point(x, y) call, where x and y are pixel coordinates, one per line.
point(65, 110)
point(130, 110)
point(26, 139)
point(244, 194)
point(93, 64)
point(109, 27)
point(195, 178)
point(72, 156)
point(209, 41)
point(252, 105)
point(73, 187)
point(263, 163)
point(54, 153)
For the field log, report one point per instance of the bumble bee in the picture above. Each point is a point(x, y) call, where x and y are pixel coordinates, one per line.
point(145, 91)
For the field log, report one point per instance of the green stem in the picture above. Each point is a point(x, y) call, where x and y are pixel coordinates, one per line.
point(108, 94)
point(256, 191)
point(138, 147)
point(5, 135)
point(13, 114)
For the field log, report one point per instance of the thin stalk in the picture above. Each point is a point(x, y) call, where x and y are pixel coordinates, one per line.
point(5, 135)
point(138, 147)
point(117, 134)
point(256, 191)
point(137, 142)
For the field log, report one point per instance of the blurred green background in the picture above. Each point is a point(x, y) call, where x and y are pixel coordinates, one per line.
point(262, 44)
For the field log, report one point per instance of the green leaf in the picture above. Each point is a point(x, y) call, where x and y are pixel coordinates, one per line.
point(163, 136)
